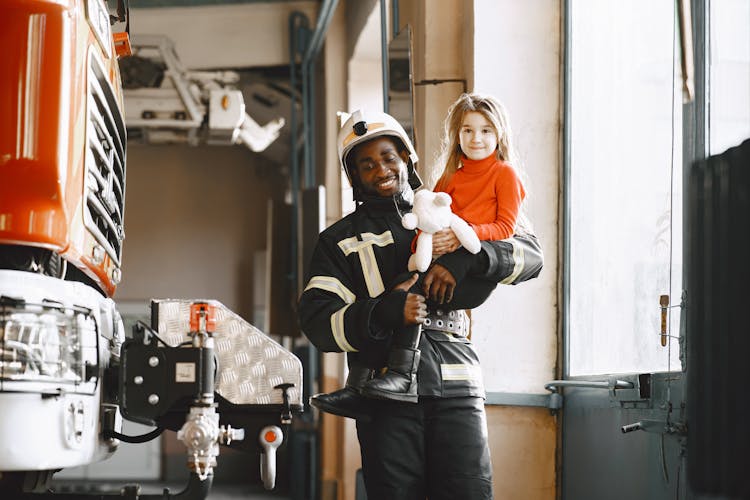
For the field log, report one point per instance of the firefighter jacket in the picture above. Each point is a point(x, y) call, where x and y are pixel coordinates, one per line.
point(348, 306)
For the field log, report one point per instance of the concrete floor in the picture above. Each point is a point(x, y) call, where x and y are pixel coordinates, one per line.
point(244, 492)
point(218, 491)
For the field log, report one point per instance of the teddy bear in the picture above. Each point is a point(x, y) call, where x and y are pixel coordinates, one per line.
point(431, 213)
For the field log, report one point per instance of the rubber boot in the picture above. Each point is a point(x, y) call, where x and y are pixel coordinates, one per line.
point(399, 382)
point(347, 402)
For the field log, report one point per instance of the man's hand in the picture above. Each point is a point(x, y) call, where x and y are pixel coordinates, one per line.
point(439, 284)
point(444, 241)
point(415, 308)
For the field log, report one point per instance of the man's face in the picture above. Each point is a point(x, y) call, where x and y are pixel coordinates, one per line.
point(379, 167)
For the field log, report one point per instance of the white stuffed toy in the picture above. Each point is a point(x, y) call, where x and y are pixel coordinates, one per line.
point(431, 213)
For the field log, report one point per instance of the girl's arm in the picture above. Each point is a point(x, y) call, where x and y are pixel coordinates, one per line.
point(444, 241)
point(509, 193)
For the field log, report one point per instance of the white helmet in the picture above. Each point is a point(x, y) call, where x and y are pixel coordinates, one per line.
point(360, 128)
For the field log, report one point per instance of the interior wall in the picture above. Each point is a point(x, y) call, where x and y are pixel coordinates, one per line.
point(240, 35)
point(512, 52)
point(517, 58)
point(523, 465)
point(441, 39)
point(335, 57)
point(364, 88)
point(339, 457)
point(194, 218)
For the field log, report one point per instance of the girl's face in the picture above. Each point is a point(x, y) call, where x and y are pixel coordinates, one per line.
point(477, 136)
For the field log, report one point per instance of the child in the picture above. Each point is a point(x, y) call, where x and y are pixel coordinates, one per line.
point(487, 193)
point(480, 169)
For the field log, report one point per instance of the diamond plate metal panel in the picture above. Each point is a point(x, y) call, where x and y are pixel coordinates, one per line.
point(250, 363)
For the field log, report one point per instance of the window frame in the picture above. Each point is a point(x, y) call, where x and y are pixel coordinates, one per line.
point(694, 146)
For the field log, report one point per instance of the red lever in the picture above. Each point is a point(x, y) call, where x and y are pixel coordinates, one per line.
point(202, 317)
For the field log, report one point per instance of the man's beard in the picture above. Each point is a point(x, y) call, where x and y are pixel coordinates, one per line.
point(405, 193)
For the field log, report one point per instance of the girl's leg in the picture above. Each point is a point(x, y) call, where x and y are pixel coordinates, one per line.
point(399, 382)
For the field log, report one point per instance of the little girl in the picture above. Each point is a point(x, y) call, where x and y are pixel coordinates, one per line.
point(487, 192)
point(480, 169)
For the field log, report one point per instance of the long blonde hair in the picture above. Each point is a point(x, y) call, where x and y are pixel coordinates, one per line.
point(451, 153)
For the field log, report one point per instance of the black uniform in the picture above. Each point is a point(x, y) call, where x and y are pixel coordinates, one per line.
point(437, 447)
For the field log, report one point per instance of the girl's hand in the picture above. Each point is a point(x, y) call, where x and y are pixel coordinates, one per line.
point(444, 241)
point(415, 308)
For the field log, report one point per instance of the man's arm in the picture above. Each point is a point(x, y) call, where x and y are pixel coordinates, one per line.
point(465, 280)
point(513, 260)
point(336, 320)
point(330, 314)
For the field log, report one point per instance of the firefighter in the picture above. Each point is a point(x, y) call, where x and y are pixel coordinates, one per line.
point(358, 298)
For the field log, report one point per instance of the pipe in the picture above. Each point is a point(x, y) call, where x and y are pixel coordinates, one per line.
point(384, 54)
point(321, 27)
point(310, 149)
point(396, 27)
point(308, 86)
point(297, 20)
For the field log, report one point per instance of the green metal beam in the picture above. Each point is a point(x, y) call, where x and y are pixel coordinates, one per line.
point(138, 4)
point(517, 399)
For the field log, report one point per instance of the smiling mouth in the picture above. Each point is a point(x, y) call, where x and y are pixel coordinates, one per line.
point(386, 183)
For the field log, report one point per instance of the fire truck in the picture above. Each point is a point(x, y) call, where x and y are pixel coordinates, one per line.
point(68, 371)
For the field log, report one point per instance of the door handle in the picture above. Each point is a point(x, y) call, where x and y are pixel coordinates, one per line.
point(656, 426)
point(610, 385)
point(556, 399)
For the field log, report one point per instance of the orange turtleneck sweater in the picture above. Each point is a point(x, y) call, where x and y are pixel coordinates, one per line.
point(487, 194)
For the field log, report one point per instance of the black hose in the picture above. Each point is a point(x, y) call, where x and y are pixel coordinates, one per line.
point(109, 434)
point(195, 490)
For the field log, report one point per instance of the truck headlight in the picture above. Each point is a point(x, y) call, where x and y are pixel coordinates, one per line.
point(43, 343)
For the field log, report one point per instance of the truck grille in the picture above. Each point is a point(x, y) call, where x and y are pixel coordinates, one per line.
point(105, 163)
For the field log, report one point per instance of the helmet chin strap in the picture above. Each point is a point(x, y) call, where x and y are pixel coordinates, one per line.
point(405, 196)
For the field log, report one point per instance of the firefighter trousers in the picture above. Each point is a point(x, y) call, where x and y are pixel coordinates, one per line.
point(434, 449)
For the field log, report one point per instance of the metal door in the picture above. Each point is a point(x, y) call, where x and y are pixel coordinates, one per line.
point(636, 116)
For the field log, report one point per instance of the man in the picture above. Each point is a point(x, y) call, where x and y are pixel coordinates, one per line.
point(359, 298)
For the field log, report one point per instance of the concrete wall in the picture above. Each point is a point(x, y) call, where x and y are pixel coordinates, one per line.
point(512, 52)
point(517, 49)
point(225, 36)
point(522, 446)
point(194, 218)
point(517, 58)
point(339, 450)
